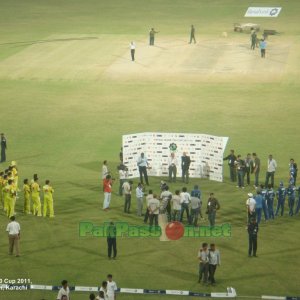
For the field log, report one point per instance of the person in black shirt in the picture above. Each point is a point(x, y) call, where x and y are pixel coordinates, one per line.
point(248, 167)
point(192, 36)
point(111, 234)
point(3, 147)
point(121, 155)
point(185, 166)
point(293, 170)
point(252, 232)
point(231, 160)
point(240, 167)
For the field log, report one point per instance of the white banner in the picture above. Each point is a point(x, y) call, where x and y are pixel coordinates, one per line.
point(176, 292)
point(272, 12)
point(41, 287)
point(86, 289)
point(131, 291)
point(206, 153)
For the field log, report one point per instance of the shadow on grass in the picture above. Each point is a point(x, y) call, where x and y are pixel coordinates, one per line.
point(28, 156)
point(88, 250)
point(89, 187)
point(92, 165)
point(50, 41)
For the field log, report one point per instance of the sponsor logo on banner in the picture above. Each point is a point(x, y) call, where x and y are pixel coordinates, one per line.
point(272, 12)
point(132, 291)
point(86, 289)
point(41, 287)
point(205, 151)
point(173, 147)
point(176, 292)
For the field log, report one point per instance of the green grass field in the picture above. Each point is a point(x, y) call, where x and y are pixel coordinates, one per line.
point(68, 92)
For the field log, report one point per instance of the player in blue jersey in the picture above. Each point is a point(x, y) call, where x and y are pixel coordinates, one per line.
point(298, 202)
point(291, 193)
point(281, 194)
point(270, 196)
point(263, 192)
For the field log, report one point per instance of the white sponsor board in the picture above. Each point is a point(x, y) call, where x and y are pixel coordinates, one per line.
point(272, 12)
point(206, 153)
point(176, 292)
point(131, 291)
point(41, 287)
point(86, 289)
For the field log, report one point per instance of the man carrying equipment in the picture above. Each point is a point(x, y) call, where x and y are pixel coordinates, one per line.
point(231, 159)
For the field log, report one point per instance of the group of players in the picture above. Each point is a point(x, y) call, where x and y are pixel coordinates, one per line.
point(9, 193)
point(175, 205)
point(263, 201)
point(241, 169)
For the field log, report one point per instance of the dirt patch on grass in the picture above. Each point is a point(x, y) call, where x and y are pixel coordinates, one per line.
point(81, 57)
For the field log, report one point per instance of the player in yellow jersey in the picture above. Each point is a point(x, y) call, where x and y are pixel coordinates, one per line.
point(14, 172)
point(11, 198)
point(26, 191)
point(48, 199)
point(4, 192)
point(35, 196)
point(10, 175)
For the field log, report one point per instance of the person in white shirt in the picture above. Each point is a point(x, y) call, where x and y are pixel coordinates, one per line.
point(105, 171)
point(214, 260)
point(185, 199)
point(196, 204)
point(148, 198)
point(101, 296)
point(153, 207)
point(14, 230)
point(132, 49)
point(176, 205)
point(172, 167)
point(103, 291)
point(64, 292)
point(139, 199)
point(166, 197)
point(127, 187)
point(123, 173)
point(143, 164)
point(111, 288)
point(272, 165)
point(203, 263)
point(250, 203)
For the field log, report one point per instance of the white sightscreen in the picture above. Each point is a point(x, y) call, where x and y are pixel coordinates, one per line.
point(206, 153)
